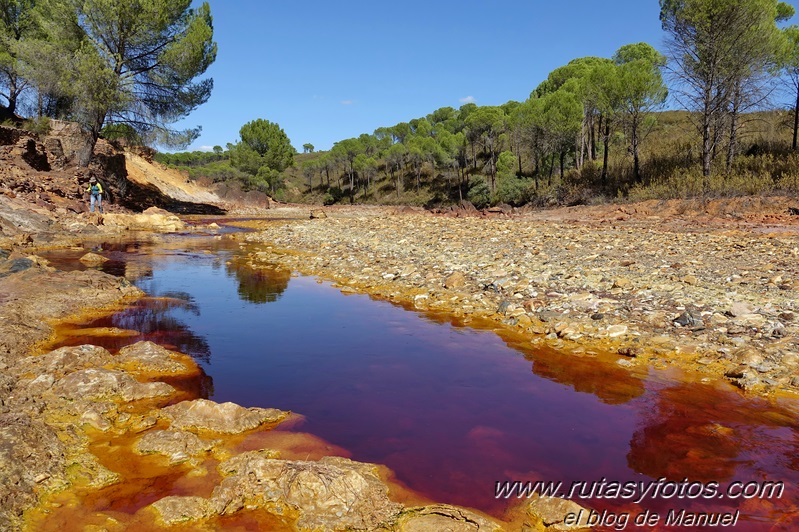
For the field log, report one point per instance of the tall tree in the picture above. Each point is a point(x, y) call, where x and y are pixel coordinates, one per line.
point(715, 46)
point(642, 90)
point(347, 150)
point(135, 62)
point(487, 123)
point(263, 144)
point(16, 24)
point(790, 64)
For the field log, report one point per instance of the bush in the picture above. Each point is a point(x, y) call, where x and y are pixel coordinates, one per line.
point(40, 126)
point(333, 195)
point(512, 190)
point(479, 193)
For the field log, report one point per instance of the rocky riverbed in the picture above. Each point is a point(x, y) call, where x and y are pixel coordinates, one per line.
point(78, 423)
point(712, 293)
point(652, 285)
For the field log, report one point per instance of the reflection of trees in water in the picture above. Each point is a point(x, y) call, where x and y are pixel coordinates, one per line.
point(183, 300)
point(263, 285)
point(153, 318)
point(611, 384)
point(709, 434)
point(688, 432)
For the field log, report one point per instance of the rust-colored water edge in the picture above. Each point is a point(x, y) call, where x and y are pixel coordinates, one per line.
point(457, 415)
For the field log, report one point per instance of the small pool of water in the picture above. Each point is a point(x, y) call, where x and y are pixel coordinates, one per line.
point(452, 410)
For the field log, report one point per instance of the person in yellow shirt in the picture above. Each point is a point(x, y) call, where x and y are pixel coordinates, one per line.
point(95, 191)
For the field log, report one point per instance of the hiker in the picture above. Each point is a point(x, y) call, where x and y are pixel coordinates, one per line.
point(95, 190)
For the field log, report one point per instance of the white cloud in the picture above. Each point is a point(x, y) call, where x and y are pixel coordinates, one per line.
point(205, 148)
point(468, 99)
point(346, 102)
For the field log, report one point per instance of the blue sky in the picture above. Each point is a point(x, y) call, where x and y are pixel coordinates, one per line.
point(325, 70)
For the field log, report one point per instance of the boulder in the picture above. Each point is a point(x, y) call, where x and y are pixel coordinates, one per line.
point(30, 454)
point(179, 446)
point(551, 512)
point(107, 384)
point(331, 494)
point(156, 220)
point(93, 259)
point(225, 418)
point(149, 357)
point(455, 280)
point(174, 510)
point(65, 360)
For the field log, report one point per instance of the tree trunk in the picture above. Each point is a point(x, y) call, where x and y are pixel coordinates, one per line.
point(606, 142)
point(733, 144)
point(636, 154)
point(562, 163)
point(795, 120)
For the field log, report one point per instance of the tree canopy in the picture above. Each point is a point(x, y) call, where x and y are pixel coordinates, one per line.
point(263, 144)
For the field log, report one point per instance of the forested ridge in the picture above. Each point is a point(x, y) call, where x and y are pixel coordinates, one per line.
point(712, 113)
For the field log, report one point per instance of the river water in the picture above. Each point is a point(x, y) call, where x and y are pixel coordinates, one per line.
point(452, 410)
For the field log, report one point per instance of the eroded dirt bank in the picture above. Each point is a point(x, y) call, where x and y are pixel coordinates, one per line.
point(710, 288)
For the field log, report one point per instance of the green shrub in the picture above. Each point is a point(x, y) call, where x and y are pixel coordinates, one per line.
point(39, 126)
point(479, 193)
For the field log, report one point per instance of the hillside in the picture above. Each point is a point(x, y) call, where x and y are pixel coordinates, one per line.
point(42, 173)
point(389, 171)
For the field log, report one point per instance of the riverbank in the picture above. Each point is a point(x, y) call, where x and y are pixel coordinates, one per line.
point(711, 290)
point(82, 424)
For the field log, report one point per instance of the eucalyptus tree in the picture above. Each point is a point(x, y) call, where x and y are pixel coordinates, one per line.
point(718, 49)
point(641, 91)
point(132, 62)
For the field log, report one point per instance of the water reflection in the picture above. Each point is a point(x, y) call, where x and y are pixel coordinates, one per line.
point(263, 285)
point(612, 384)
point(154, 320)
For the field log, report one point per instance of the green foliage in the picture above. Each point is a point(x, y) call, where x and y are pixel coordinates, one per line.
point(17, 24)
point(263, 144)
point(127, 61)
point(124, 132)
point(479, 193)
point(40, 126)
point(333, 195)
